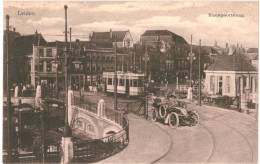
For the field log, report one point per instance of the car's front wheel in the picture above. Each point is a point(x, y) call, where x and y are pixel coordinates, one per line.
point(173, 120)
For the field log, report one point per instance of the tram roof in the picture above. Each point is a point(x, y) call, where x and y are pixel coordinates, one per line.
point(119, 73)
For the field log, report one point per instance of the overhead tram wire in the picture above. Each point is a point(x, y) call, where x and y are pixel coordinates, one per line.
point(80, 35)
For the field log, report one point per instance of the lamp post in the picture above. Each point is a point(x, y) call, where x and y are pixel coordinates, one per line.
point(200, 75)
point(115, 76)
point(77, 65)
point(66, 130)
point(67, 144)
point(191, 57)
point(146, 82)
point(8, 103)
point(56, 64)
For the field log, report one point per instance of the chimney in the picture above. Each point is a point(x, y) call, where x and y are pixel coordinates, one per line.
point(90, 36)
point(226, 45)
point(232, 49)
point(215, 45)
point(14, 29)
point(111, 33)
point(36, 32)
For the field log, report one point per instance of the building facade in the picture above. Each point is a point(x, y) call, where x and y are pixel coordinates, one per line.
point(100, 54)
point(24, 47)
point(41, 65)
point(231, 75)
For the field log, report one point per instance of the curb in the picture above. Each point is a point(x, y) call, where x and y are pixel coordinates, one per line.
point(170, 145)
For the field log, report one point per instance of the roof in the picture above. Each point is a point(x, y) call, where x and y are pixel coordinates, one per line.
point(75, 45)
point(105, 36)
point(235, 62)
point(175, 38)
point(24, 43)
point(252, 50)
point(120, 35)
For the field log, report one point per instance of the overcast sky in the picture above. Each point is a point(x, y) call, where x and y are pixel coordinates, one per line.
point(182, 18)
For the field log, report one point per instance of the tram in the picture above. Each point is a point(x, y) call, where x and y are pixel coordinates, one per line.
point(128, 83)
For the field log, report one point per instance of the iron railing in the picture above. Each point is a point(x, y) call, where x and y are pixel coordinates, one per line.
point(135, 107)
point(97, 149)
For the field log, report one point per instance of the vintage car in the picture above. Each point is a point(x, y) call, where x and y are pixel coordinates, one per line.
point(169, 111)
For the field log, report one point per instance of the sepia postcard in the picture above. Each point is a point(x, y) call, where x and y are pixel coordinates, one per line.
point(130, 82)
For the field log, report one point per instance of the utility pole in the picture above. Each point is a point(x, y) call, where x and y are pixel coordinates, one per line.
point(115, 78)
point(146, 83)
point(8, 103)
point(57, 65)
point(191, 57)
point(70, 37)
point(146, 58)
point(39, 57)
point(191, 62)
point(200, 75)
point(134, 61)
point(67, 130)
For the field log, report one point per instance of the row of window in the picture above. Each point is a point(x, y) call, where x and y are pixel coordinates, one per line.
point(98, 57)
point(132, 82)
point(169, 66)
point(182, 64)
point(220, 84)
point(48, 52)
point(227, 84)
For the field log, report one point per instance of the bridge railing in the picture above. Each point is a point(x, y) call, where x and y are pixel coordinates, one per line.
point(84, 104)
point(97, 149)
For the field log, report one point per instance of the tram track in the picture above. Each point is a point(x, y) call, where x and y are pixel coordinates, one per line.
point(223, 116)
point(213, 140)
point(242, 135)
point(234, 129)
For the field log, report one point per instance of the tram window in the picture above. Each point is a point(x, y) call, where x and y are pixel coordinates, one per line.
point(116, 82)
point(135, 83)
point(131, 83)
point(109, 81)
point(121, 82)
point(140, 82)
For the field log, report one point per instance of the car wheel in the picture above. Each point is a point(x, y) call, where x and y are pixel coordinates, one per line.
point(194, 118)
point(162, 111)
point(173, 120)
